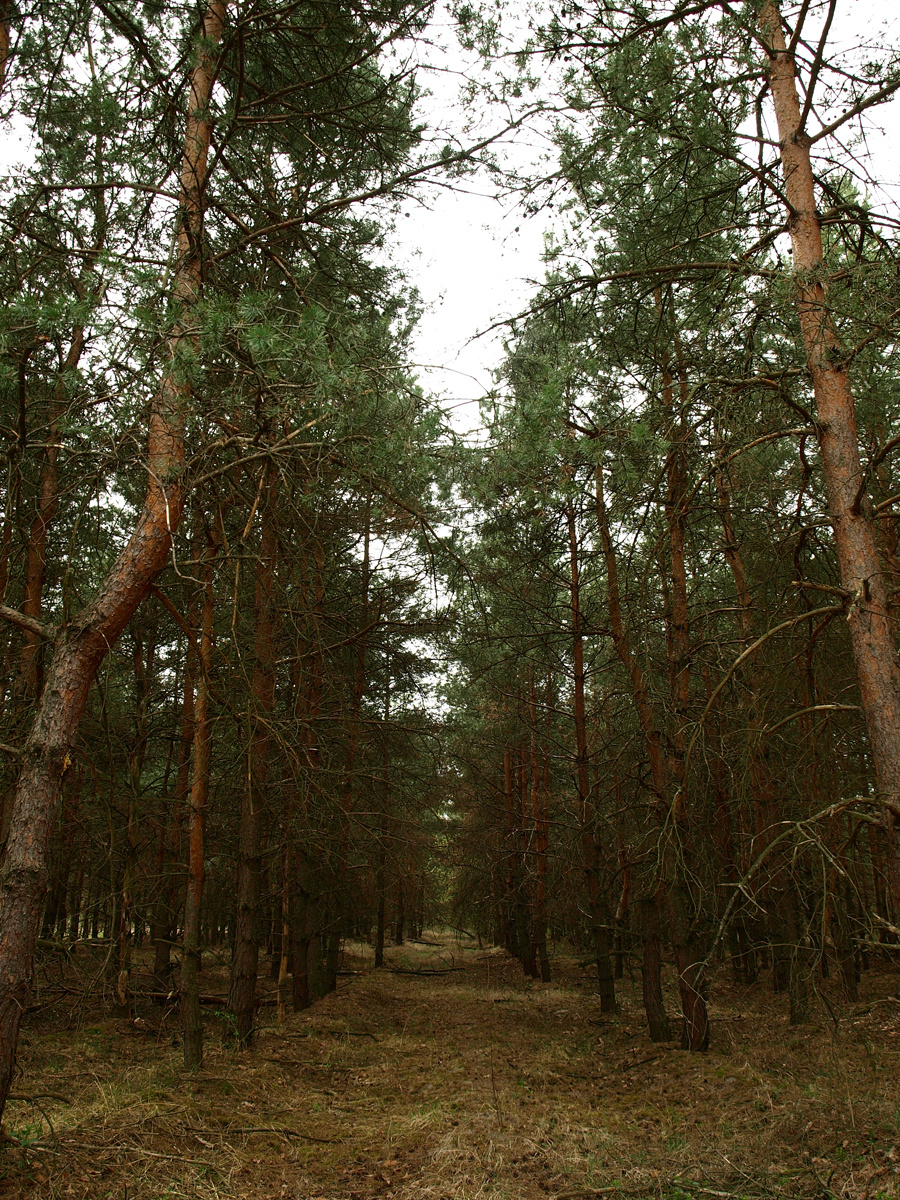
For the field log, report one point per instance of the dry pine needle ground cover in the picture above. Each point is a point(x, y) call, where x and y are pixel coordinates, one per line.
point(470, 1084)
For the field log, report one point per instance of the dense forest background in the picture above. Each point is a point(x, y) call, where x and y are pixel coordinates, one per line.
point(284, 660)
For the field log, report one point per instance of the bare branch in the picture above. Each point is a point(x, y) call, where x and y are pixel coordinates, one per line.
point(14, 617)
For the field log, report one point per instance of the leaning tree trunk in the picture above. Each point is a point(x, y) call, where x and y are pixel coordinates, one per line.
point(81, 646)
point(868, 615)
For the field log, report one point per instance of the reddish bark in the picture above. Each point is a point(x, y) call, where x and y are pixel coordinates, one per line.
point(868, 617)
point(649, 902)
point(85, 641)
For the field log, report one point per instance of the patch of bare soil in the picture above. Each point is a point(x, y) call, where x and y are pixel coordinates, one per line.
point(469, 1084)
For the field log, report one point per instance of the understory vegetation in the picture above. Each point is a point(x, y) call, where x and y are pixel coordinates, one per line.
point(447, 1073)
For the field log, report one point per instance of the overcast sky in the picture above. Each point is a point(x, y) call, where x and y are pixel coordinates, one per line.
point(471, 256)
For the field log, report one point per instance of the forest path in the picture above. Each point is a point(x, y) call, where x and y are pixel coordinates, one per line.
point(476, 1084)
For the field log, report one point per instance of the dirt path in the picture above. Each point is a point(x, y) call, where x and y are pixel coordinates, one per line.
point(470, 1084)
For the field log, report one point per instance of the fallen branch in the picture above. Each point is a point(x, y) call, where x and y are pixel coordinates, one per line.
point(289, 1133)
point(307, 1062)
point(641, 1062)
point(175, 998)
point(424, 970)
point(885, 924)
point(179, 1158)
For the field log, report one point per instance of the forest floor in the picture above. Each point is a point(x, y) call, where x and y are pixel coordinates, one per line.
point(476, 1084)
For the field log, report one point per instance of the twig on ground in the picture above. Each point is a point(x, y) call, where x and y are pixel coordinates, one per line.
point(288, 1133)
point(641, 1062)
point(424, 971)
point(179, 1158)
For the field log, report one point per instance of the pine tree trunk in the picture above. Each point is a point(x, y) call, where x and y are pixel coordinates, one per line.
point(685, 911)
point(169, 885)
point(245, 960)
point(649, 902)
point(83, 644)
point(590, 856)
point(862, 576)
point(651, 970)
point(192, 1023)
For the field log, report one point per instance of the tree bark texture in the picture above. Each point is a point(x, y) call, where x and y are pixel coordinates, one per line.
point(85, 641)
point(862, 576)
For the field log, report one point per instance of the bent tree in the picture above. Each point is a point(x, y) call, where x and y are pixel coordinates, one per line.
point(81, 645)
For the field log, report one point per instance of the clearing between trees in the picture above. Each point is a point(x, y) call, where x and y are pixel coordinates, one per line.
point(447, 1074)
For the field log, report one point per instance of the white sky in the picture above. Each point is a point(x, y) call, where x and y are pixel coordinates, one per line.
point(471, 256)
